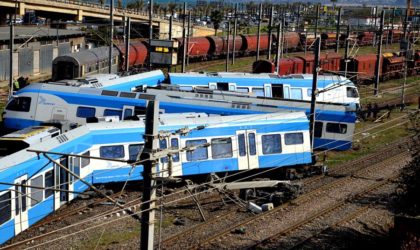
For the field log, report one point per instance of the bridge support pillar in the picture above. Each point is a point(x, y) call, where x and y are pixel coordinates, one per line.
point(21, 10)
point(79, 16)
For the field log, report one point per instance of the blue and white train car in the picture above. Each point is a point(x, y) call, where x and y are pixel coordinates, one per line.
point(129, 83)
point(40, 103)
point(227, 143)
point(334, 89)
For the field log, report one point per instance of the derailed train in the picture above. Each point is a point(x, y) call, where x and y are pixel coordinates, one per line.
point(33, 187)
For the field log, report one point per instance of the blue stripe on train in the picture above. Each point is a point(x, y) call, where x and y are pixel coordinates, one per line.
point(332, 144)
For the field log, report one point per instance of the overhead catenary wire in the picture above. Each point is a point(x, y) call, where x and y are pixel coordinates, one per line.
point(208, 183)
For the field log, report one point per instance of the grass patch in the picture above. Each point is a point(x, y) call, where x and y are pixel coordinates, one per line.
point(376, 136)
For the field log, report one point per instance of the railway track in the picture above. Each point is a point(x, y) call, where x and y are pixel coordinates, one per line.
point(300, 200)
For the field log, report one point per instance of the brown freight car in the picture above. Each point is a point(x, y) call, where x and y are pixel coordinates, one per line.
point(329, 62)
point(360, 68)
point(198, 48)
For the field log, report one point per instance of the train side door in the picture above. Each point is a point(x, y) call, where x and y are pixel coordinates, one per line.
point(62, 183)
point(21, 204)
point(74, 166)
point(170, 168)
point(247, 149)
point(212, 85)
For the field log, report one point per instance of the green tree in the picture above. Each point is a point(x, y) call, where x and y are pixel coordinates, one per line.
point(216, 17)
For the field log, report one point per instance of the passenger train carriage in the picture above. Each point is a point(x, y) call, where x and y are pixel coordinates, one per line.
point(39, 103)
point(226, 143)
point(114, 82)
point(334, 89)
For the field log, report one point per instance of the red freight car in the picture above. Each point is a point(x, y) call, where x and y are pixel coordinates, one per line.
point(250, 43)
point(137, 52)
point(328, 40)
point(291, 40)
point(291, 66)
point(366, 38)
point(414, 65)
point(198, 48)
point(392, 66)
point(329, 62)
point(362, 68)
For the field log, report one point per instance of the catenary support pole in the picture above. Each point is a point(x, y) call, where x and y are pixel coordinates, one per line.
point(315, 71)
point(337, 38)
point(259, 32)
point(270, 32)
point(234, 33)
point(149, 191)
point(379, 54)
point(188, 36)
point(279, 27)
point(316, 20)
point(150, 30)
point(346, 50)
point(184, 39)
point(298, 19)
point(228, 46)
point(11, 49)
point(392, 25)
point(171, 21)
point(375, 16)
point(111, 35)
point(127, 43)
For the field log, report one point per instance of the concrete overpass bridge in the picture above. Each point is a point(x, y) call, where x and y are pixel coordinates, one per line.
point(79, 11)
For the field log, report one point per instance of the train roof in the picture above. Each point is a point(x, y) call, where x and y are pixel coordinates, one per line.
point(113, 81)
point(192, 78)
point(166, 122)
point(30, 134)
point(84, 57)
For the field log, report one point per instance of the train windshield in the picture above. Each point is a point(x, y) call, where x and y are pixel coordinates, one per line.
point(8, 147)
point(19, 104)
point(352, 92)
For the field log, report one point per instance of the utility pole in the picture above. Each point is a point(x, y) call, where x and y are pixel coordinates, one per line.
point(270, 26)
point(259, 33)
point(375, 15)
point(188, 35)
point(283, 27)
point(111, 35)
point(337, 39)
point(406, 25)
point(228, 46)
point(234, 33)
point(150, 30)
point(315, 71)
point(279, 27)
point(298, 19)
point(127, 43)
point(184, 40)
point(392, 24)
point(379, 55)
point(151, 144)
point(171, 20)
point(316, 20)
point(11, 48)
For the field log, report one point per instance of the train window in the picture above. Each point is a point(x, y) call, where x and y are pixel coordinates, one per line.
point(85, 161)
point(186, 88)
point(278, 91)
point(309, 92)
point(242, 146)
point(271, 144)
point(112, 112)
point(293, 138)
point(163, 144)
point(36, 193)
point(128, 94)
point(112, 152)
point(128, 113)
point(296, 93)
point(175, 145)
point(242, 90)
point(48, 183)
point(318, 130)
point(85, 112)
point(352, 92)
point(252, 144)
point(22, 104)
point(200, 153)
point(109, 93)
point(76, 168)
point(336, 128)
point(134, 150)
point(23, 192)
point(223, 86)
point(221, 148)
point(5, 207)
point(258, 91)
